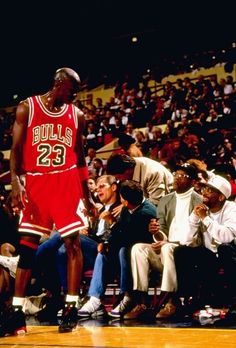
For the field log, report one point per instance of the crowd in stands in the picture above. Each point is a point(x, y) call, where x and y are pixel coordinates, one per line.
point(199, 121)
point(171, 147)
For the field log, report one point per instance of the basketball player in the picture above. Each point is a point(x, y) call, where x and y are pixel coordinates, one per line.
point(48, 150)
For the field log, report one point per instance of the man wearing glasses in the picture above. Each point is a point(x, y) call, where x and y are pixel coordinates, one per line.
point(197, 268)
point(168, 232)
point(113, 258)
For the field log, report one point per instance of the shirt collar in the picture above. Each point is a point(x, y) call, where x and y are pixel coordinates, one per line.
point(131, 211)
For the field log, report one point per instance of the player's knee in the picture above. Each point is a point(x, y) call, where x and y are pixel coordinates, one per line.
point(27, 257)
point(72, 247)
point(72, 242)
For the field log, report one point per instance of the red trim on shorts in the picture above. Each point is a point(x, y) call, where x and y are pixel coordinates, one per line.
point(29, 244)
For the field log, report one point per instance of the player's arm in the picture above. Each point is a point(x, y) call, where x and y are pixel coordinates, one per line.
point(16, 156)
point(80, 142)
point(83, 169)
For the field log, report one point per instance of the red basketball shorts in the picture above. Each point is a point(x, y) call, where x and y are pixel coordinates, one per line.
point(53, 202)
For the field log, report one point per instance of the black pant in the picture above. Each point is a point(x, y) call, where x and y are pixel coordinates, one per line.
point(227, 261)
point(197, 273)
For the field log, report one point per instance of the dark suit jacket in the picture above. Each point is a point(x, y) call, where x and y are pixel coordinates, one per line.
point(132, 228)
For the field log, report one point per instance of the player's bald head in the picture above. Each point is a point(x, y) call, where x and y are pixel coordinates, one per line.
point(67, 73)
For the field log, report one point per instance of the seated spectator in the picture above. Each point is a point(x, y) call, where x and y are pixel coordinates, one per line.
point(96, 204)
point(197, 268)
point(129, 129)
point(104, 134)
point(117, 128)
point(170, 230)
point(91, 140)
point(114, 257)
point(98, 167)
point(155, 143)
point(91, 154)
point(173, 152)
point(141, 142)
point(148, 131)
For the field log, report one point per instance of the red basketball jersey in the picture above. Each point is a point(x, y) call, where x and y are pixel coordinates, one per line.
point(50, 140)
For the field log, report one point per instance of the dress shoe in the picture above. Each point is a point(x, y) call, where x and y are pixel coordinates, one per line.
point(135, 312)
point(167, 311)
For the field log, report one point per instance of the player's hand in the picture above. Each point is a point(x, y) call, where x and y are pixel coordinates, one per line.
point(18, 196)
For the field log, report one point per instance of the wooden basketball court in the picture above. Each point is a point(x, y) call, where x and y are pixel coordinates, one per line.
point(125, 337)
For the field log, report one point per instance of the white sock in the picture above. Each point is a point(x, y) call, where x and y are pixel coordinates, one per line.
point(96, 301)
point(126, 298)
point(18, 301)
point(72, 298)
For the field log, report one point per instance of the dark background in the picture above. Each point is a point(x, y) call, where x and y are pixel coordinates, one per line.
point(94, 38)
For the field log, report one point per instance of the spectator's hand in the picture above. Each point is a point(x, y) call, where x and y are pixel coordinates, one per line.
point(108, 217)
point(102, 248)
point(116, 211)
point(157, 246)
point(201, 210)
point(154, 226)
point(98, 206)
point(84, 232)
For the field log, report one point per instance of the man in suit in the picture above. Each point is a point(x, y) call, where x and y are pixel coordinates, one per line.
point(168, 232)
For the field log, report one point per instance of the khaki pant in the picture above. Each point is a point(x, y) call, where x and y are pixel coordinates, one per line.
point(144, 259)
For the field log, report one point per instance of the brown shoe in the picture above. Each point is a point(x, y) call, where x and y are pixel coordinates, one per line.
point(135, 312)
point(168, 311)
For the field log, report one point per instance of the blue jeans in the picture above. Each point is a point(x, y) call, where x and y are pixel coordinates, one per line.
point(108, 265)
point(51, 260)
point(89, 251)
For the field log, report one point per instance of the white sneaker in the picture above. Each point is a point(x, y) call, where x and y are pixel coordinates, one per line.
point(34, 304)
point(123, 307)
point(10, 263)
point(92, 309)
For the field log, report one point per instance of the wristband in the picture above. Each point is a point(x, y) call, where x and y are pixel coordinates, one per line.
point(83, 173)
point(159, 236)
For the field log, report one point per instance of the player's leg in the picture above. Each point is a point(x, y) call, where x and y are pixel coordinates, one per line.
point(74, 273)
point(14, 321)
